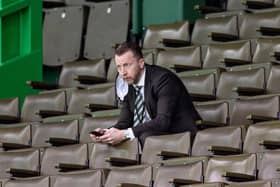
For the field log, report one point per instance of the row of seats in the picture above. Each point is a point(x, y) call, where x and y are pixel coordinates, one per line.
point(235, 167)
point(76, 28)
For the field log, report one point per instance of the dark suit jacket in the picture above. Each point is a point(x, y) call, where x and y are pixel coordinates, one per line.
point(167, 101)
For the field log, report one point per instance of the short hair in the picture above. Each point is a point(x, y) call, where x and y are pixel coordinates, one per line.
point(127, 46)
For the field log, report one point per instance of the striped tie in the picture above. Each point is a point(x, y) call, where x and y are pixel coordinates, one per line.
point(139, 107)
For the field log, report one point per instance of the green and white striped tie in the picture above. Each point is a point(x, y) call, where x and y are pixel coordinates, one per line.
point(139, 107)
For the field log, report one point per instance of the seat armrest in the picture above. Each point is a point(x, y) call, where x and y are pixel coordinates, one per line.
point(230, 62)
point(223, 150)
point(259, 118)
point(270, 144)
point(39, 85)
point(15, 172)
point(130, 185)
point(248, 91)
point(276, 55)
point(222, 37)
point(66, 167)
point(208, 124)
point(171, 154)
point(269, 31)
point(117, 161)
point(6, 119)
point(202, 97)
point(61, 141)
point(179, 182)
point(258, 4)
point(87, 79)
point(50, 113)
point(12, 146)
point(208, 9)
point(175, 43)
point(239, 177)
point(97, 107)
point(180, 68)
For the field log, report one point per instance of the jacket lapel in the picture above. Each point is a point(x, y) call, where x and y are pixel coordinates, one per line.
point(147, 89)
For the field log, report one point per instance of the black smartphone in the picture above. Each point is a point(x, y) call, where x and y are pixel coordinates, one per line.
point(97, 133)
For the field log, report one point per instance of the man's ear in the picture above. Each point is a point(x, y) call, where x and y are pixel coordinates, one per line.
point(142, 63)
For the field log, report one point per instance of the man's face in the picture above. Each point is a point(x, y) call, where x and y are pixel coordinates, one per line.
point(129, 67)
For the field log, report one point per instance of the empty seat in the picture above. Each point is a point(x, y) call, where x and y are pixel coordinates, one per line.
point(133, 175)
point(268, 165)
point(228, 54)
point(100, 38)
point(62, 34)
point(15, 136)
point(65, 158)
point(231, 168)
point(273, 85)
point(262, 137)
point(180, 59)
point(178, 174)
point(218, 141)
point(9, 110)
point(20, 163)
point(254, 109)
point(56, 134)
point(100, 119)
point(265, 49)
point(106, 156)
point(219, 28)
point(201, 84)
point(254, 25)
point(245, 80)
point(165, 146)
point(155, 34)
point(87, 178)
point(30, 182)
point(74, 74)
point(36, 107)
point(251, 184)
point(213, 113)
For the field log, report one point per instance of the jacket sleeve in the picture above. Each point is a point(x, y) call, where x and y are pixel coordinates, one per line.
point(167, 93)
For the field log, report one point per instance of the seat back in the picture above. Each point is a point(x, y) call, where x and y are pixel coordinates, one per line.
point(223, 136)
point(71, 154)
point(20, 159)
point(9, 107)
point(268, 162)
point(217, 166)
point(29, 182)
point(44, 101)
point(156, 33)
point(88, 67)
point(141, 175)
point(251, 184)
point(42, 132)
point(87, 178)
point(100, 152)
point(267, 105)
point(217, 52)
point(204, 27)
point(273, 85)
point(258, 133)
point(187, 56)
point(153, 145)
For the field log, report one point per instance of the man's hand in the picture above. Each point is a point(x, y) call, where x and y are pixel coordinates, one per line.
point(112, 136)
point(97, 138)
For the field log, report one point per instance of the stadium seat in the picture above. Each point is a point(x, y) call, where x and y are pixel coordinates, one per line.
point(273, 85)
point(30, 182)
point(221, 29)
point(63, 159)
point(218, 141)
point(235, 168)
point(262, 137)
point(268, 165)
point(255, 109)
point(137, 176)
point(251, 184)
point(180, 59)
point(87, 178)
point(156, 35)
point(228, 54)
point(55, 134)
point(9, 110)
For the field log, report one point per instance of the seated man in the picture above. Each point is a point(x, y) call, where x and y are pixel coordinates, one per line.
point(157, 101)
